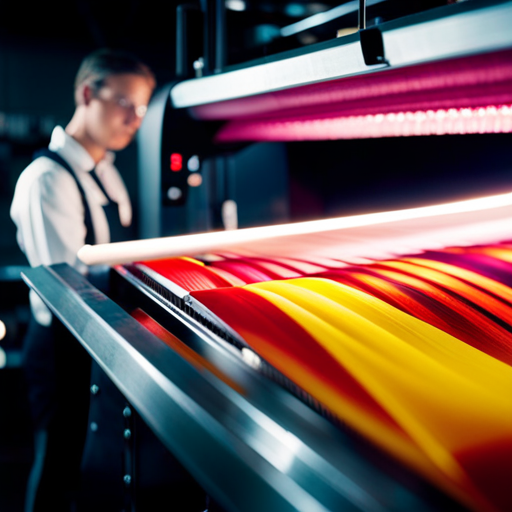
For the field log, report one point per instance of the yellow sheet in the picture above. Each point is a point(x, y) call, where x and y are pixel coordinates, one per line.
point(445, 394)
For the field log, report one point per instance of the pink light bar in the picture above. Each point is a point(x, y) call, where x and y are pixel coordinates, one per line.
point(484, 79)
point(453, 121)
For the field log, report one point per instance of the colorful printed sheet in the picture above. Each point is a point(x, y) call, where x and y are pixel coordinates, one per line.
point(415, 353)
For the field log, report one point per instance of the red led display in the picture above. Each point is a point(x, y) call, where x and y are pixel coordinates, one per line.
point(176, 162)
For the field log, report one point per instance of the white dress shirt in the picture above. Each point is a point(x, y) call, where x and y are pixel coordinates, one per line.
point(48, 209)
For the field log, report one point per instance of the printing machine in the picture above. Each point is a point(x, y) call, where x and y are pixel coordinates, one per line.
point(253, 439)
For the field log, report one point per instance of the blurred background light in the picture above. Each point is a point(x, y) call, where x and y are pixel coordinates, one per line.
point(193, 163)
point(194, 180)
point(295, 10)
point(235, 5)
point(174, 193)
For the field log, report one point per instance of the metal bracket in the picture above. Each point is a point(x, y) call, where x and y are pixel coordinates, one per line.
point(372, 44)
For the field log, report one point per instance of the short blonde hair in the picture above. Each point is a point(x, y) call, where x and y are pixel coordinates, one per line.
point(101, 64)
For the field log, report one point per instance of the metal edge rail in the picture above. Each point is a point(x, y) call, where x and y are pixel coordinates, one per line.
point(452, 31)
point(134, 283)
point(259, 450)
point(142, 281)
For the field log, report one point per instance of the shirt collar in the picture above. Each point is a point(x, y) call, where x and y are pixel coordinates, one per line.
point(73, 152)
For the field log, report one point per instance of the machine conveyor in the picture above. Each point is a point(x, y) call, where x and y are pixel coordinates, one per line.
point(250, 443)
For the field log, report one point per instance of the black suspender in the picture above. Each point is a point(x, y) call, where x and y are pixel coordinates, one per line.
point(90, 237)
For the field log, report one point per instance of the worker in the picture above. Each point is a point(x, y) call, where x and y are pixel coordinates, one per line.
point(70, 195)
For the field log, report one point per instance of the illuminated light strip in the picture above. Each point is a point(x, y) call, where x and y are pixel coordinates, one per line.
point(156, 248)
point(453, 121)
